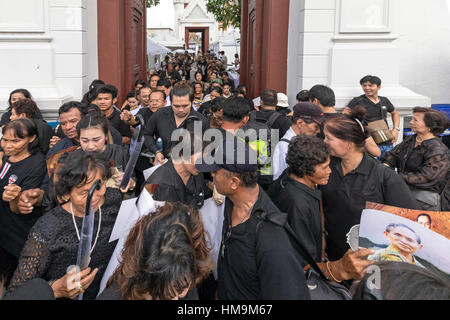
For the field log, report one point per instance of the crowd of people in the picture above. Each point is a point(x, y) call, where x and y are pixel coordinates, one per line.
point(309, 166)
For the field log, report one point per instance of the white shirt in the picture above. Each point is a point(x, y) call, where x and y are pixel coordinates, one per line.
point(279, 155)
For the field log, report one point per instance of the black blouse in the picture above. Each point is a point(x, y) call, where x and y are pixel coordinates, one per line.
point(425, 167)
point(345, 197)
point(52, 245)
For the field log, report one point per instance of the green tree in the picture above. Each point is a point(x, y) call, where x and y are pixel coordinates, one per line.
point(226, 11)
point(151, 3)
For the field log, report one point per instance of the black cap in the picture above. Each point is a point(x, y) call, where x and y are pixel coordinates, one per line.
point(308, 110)
point(232, 154)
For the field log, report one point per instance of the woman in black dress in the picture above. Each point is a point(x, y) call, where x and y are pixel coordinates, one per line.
point(52, 245)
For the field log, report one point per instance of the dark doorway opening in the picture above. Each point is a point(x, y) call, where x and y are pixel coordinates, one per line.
point(197, 38)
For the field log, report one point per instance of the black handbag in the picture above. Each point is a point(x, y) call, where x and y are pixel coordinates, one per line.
point(320, 287)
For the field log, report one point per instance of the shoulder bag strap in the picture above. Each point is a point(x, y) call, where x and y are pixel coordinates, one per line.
point(281, 220)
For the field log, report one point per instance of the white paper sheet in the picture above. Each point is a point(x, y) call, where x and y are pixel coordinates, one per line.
point(150, 171)
point(212, 216)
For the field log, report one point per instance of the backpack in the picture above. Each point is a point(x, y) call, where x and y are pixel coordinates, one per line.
point(262, 145)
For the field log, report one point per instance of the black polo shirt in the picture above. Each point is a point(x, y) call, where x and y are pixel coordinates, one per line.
point(373, 109)
point(345, 197)
point(168, 186)
point(119, 125)
point(146, 113)
point(259, 265)
point(162, 124)
point(302, 204)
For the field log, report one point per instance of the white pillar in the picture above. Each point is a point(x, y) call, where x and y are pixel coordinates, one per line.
point(43, 48)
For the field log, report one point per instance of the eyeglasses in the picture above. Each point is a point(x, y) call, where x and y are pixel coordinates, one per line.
point(156, 101)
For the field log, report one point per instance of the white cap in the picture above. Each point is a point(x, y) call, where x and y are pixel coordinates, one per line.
point(283, 100)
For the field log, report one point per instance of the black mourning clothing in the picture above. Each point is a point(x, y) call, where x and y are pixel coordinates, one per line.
point(259, 261)
point(52, 245)
point(119, 125)
point(168, 186)
point(344, 198)
point(302, 204)
point(426, 166)
point(163, 123)
point(27, 174)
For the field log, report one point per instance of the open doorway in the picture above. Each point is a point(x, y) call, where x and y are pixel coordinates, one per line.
point(197, 39)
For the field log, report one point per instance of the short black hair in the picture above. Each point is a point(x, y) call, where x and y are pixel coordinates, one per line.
point(96, 83)
point(182, 90)
point(324, 94)
point(25, 128)
point(159, 91)
point(371, 79)
point(76, 169)
point(248, 179)
point(216, 89)
point(131, 94)
point(166, 83)
point(235, 109)
point(93, 120)
point(304, 154)
point(217, 104)
point(140, 82)
point(269, 97)
point(105, 89)
point(66, 107)
point(303, 96)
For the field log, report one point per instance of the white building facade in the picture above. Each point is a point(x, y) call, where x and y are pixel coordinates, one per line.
point(48, 47)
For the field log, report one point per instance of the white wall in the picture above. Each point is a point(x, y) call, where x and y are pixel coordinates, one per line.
point(47, 48)
point(424, 44)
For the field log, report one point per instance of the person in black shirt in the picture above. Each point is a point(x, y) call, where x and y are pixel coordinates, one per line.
point(105, 99)
point(178, 180)
point(164, 122)
point(256, 258)
point(275, 120)
point(373, 104)
point(296, 194)
point(325, 98)
point(355, 179)
point(23, 168)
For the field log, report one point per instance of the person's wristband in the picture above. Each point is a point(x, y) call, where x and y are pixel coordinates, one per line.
point(398, 129)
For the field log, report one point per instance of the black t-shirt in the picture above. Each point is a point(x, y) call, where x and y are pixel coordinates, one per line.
point(302, 204)
point(119, 125)
point(344, 198)
point(373, 110)
point(259, 265)
point(27, 174)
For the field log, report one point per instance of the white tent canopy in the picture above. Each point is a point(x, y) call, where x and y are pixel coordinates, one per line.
point(154, 48)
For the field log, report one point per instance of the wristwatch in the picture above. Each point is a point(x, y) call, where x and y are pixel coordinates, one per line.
point(398, 129)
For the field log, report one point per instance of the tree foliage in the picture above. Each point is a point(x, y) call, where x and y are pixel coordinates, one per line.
point(226, 11)
point(151, 3)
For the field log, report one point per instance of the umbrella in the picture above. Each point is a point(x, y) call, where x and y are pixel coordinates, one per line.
point(154, 48)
